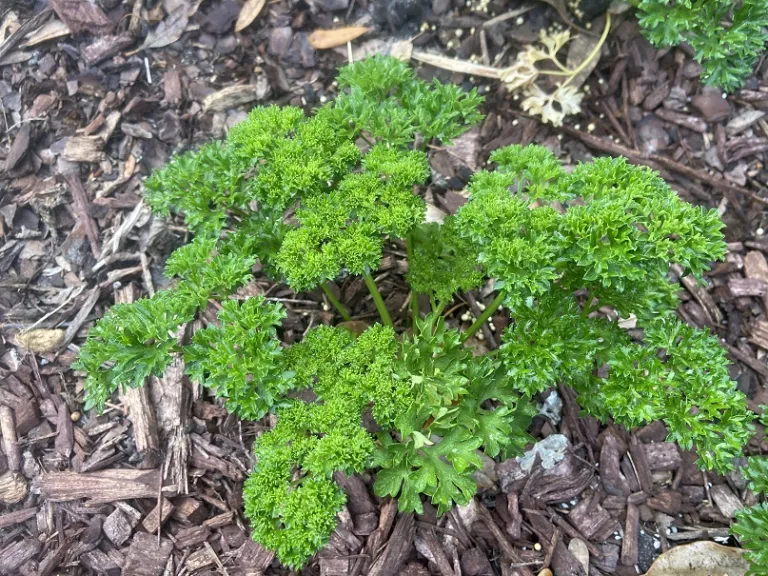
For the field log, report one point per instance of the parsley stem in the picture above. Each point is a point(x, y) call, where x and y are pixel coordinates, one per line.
point(595, 51)
point(483, 318)
point(336, 304)
point(377, 299)
point(414, 295)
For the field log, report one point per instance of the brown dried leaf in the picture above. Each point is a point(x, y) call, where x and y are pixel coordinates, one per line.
point(49, 31)
point(700, 559)
point(41, 339)
point(168, 31)
point(357, 327)
point(324, 39)
point(248, 13)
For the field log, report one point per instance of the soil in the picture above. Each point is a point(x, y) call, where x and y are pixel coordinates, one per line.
point(94, 96)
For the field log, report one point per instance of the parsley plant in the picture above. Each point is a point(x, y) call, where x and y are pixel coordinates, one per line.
point(314, 198)
point(727, 36)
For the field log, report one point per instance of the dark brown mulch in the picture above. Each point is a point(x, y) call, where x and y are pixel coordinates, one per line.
point(153, 485)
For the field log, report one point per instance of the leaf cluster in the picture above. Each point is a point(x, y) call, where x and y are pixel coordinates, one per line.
point(135, 341)
point(456, 404)
point(383, 100)
point(751, 526)
point(433, 406)
point(727, 37)
point(608, 230)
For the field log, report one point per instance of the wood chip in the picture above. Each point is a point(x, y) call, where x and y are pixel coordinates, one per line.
point(103, 486)
point(157, 517)
point(743, 121)
point(14, 555)
point(613, 480)
point(667, 501)
point(117, 527)
point(145, 557)
point(83, 149)
point(741, 287)
point(65, 438)
point(12, 518)
point(13, 488)
point(232, 96)
point(82, 15)
point(629, 546)
point(693, 123)
point(725, 500)
point(398, 548)
point(700, 294)
point(200, 559)
point(100, 563)
point(663, 456)
point(19, 147)
point(83, 211)
point(9, 440)
point(759, 334)
point(188, 510)
point(106, 47)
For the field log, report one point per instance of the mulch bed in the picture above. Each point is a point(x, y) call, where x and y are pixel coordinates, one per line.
point(153, 486)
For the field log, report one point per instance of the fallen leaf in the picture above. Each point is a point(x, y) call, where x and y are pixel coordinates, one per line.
point(323, 39)
point(41, 339)
point(19, 147)
point(49, 31)
point(168, 31)
point(251, 9)
point(700, 559)
point(357, 327)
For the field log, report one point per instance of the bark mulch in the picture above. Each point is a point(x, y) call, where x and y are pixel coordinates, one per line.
point(95, 96)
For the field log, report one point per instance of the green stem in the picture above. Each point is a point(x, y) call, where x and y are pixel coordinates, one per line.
point(594, 52)
point(336, 304)
point(484, 316)
point(414, 296)
point(377, 299)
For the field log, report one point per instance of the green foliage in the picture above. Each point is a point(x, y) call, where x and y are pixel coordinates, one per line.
point(310, 199)
point(290, 498)
point(756, 474)
point(130, 343)
point(442, 263)
point(751, 527)
point(345, 228)
point(383, 99)
point(239, 361)
point(727, 37)
point(610, 230)
point(203, 185)
point(456, 404)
